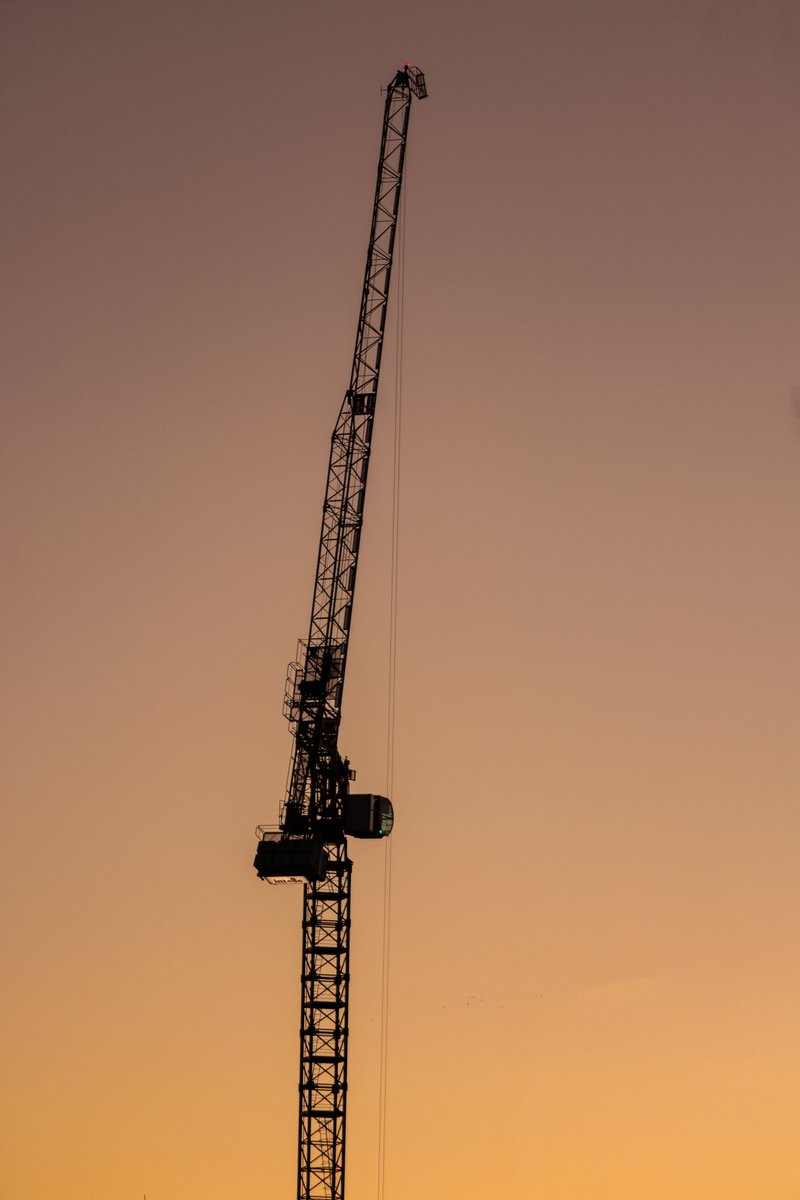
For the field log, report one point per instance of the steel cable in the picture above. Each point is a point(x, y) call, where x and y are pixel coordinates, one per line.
point(392, 694)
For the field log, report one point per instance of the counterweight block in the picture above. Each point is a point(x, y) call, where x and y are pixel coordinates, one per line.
point(290, 860)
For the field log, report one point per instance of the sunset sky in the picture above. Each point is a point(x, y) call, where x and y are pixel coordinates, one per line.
point(595, 939)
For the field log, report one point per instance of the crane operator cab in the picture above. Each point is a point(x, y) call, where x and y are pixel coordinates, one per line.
point(282, 859)
point(368, 816)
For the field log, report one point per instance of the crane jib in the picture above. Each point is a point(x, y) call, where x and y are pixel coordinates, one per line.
point(320, 812)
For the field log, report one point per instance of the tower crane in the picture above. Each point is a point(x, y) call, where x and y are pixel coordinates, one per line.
point(319, 812)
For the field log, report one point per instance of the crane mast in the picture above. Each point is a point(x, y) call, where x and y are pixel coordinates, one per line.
point(319, 811)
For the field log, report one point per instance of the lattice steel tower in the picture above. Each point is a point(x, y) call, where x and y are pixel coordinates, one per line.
point(309, 845)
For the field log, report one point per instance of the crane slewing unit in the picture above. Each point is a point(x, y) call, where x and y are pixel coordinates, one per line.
point(319, 812)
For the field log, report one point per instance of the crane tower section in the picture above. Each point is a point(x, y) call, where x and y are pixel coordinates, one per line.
point(319, 811)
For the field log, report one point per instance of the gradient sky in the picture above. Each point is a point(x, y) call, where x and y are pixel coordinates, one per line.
point(595, 974)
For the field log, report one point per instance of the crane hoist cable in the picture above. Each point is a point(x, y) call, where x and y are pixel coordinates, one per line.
point(392, 690)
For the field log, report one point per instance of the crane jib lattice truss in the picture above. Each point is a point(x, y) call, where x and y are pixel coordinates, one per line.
point(319, 811)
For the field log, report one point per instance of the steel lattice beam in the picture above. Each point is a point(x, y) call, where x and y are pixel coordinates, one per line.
point(315, 752)
point(323, 1033)
point(312, 829)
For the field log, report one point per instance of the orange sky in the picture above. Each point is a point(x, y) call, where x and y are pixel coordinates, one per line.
point(595, 974)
